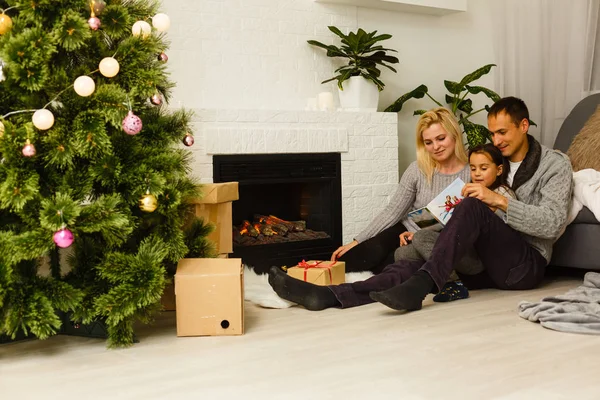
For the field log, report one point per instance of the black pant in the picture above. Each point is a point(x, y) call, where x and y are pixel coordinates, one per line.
point(376, 253)
point(509, 261)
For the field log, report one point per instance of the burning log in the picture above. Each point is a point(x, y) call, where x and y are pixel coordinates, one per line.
point(299, 226)
point(280, 229)
point(247, 229)
point(295, 226)
point(266, 230)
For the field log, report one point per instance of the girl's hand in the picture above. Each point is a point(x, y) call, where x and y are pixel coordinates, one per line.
point(406, 238)
point(343, 250)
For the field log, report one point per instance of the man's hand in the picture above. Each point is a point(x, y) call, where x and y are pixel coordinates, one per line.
point(484, 194)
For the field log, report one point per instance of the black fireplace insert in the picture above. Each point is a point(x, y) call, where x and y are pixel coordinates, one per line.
point(290, 206)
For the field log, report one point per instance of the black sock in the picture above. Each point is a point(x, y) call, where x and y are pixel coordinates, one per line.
point(408, 295)
point(312, 297)
point(452, 291)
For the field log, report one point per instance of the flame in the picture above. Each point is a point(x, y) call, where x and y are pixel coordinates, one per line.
point(244, 229)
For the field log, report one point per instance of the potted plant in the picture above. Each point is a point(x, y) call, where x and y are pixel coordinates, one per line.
point(359, 81)
point(459, 103)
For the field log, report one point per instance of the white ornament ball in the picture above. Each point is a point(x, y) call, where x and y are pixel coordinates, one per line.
point(43, 119)
point(161, 22)
point(84, 86)
point(141, 28)
point(109, 67)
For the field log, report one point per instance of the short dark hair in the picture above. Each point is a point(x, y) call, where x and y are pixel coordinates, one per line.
point(514, 107)
point(496, 157)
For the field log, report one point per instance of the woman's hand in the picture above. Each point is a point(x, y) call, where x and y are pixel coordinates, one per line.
point(406, 238)
point(343, 250)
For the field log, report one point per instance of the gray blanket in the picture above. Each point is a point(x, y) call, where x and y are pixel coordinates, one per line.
point(577, 311)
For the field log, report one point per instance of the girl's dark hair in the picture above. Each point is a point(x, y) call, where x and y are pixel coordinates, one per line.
point(496, 156)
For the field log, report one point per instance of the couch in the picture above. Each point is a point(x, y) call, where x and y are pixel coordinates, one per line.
point(579, 246)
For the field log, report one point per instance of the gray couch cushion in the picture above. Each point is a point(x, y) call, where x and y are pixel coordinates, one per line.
point(578, 247)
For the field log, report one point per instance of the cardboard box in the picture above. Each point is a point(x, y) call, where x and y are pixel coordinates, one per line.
point(215, 208)
point(215, 193)
point(168, 298)
point(220, 216)
point(322, 273)
point(209, 297)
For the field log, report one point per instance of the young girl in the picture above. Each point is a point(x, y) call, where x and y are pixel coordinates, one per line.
point(489, 169)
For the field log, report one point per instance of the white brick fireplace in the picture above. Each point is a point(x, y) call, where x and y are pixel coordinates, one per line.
point(368, 143)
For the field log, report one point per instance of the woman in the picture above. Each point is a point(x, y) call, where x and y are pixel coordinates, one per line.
point(441, 158)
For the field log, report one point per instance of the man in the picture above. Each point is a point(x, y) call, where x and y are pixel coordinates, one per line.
point(514, 252)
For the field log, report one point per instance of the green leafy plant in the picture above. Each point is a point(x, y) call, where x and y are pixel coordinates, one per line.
point(363, 55)
point(458, 102)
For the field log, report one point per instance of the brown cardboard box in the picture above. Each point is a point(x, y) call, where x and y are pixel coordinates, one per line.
point(214, 193)
point(209, 296)
point(215, 207)
point(168, 298)
point(319, 272)
point(220, 216)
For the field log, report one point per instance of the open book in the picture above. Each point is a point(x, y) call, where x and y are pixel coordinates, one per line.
point(437, 213)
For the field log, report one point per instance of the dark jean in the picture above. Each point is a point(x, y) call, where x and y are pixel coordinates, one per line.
point(510, 262)
point(375, 253)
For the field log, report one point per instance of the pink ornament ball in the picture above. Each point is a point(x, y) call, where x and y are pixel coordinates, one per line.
point(156, 99)
point(28, 150)
point(132, 124)
point(188, 140)
point(63, 238)
point(94, 23)
point(162, 57)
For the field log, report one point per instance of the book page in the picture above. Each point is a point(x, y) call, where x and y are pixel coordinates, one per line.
point(422, 219)
point(442, 206)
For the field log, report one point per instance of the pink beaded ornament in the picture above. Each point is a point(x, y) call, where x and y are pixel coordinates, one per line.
point(94, 23)
point(132, 124)
point(28, 149)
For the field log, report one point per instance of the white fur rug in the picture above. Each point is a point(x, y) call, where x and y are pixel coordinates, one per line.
point(258, 291)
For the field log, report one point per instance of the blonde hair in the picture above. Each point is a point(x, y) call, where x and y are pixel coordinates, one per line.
point(447, 120)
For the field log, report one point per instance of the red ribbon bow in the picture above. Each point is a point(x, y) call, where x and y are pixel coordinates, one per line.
point(316, 264)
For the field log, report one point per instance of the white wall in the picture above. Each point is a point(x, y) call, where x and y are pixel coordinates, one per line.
point(430, 50)
point(252, 54)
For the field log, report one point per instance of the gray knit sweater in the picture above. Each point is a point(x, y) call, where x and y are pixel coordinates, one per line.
point(540, 213)
point(413, 192)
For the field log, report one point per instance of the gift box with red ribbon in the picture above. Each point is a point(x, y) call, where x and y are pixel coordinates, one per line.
point(321, 273)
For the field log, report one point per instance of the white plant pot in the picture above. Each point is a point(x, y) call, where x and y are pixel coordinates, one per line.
point(359, 94)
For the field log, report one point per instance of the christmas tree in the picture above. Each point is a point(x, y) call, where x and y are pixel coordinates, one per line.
point(93, 175)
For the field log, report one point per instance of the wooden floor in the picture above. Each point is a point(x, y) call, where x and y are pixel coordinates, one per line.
point(470, 349)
